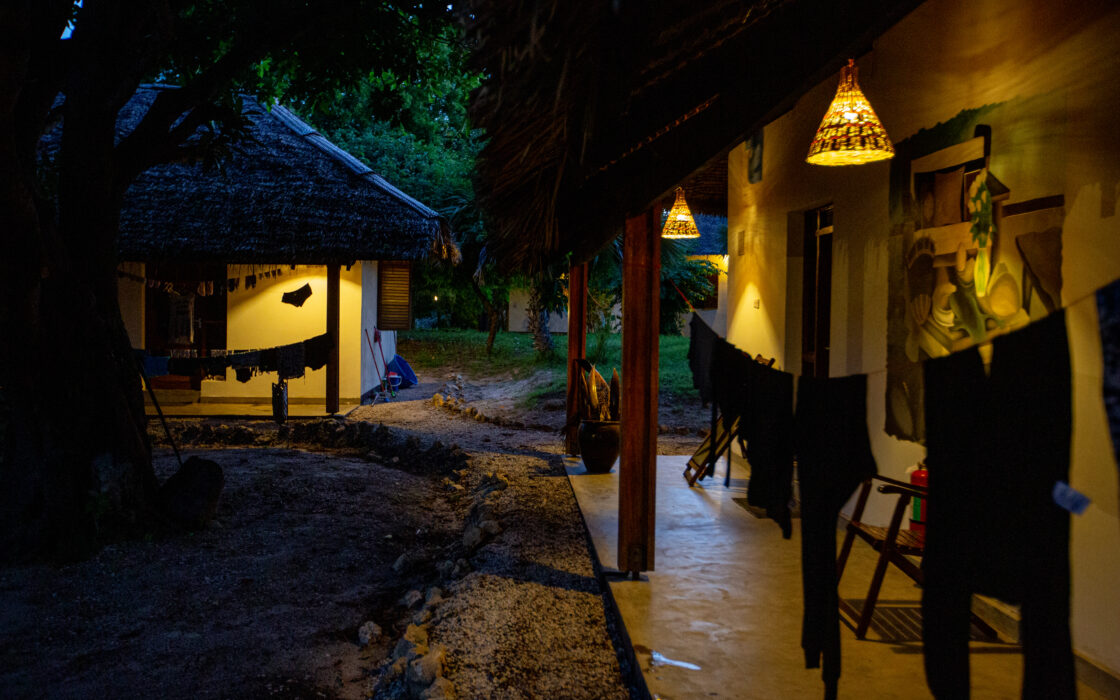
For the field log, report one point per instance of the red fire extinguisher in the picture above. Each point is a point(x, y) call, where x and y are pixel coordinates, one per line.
point(919, 477)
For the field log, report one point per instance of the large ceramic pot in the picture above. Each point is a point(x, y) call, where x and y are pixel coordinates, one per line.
point(599, 443)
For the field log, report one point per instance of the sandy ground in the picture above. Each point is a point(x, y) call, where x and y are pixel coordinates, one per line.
point(473, 566)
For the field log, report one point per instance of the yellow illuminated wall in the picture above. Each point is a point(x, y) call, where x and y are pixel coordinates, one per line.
point(256, 318)
point(945, 57)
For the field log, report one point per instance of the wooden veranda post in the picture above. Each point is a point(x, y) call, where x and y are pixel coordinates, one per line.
point(577, 348)
point(333, 282)
point(641, 284)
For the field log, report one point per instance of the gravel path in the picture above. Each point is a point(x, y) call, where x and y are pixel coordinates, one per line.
point(528, 620)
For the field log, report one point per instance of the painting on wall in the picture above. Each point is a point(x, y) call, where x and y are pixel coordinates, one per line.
point(966, 264)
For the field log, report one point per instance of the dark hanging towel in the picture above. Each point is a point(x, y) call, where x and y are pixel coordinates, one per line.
point(316, 350)
point(730, 389)
point(215, 366)
point(297, 297)
point(269, 360)
point(701, 343)
point(833, 458)
point(244, 364)
point(997, 443)
point(289, 359)
point(154, 365)
point(769, 434)
point(1108, 309)
point(184, 366)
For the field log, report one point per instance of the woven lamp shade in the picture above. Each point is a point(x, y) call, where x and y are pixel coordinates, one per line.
point(679, 223)
point(850, 133)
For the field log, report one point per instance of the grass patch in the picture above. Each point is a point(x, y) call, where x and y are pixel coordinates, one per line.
point(513, 353)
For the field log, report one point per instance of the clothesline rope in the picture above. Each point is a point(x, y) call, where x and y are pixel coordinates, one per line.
point(884, 370)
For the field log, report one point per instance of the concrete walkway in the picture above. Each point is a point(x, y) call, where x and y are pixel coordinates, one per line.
point(726, 597)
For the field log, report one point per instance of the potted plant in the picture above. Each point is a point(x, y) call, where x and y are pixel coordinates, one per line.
point(599, 435)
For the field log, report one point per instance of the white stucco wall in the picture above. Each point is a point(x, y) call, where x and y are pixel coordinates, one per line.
point(519, 319)
point(947, 56)
point(373, 369)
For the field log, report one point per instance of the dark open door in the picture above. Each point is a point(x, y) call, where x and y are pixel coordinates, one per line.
point(817, 292)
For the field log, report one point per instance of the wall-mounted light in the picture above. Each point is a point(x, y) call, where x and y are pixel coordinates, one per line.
point(850, 133)
point(679, 223)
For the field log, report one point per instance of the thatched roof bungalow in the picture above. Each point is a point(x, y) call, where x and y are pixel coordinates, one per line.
point(208, 252)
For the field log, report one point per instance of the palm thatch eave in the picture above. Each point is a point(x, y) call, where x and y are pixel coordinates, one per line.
point(595, 114)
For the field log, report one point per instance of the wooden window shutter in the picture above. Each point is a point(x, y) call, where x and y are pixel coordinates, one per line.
point(394, 298)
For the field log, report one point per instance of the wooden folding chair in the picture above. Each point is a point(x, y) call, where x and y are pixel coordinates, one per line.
point(894, 545)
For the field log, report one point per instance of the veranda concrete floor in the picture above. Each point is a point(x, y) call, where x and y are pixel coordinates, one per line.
point(726, 596)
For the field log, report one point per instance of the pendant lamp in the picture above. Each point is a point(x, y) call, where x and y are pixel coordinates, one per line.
point(679, 223)
point(850, 133)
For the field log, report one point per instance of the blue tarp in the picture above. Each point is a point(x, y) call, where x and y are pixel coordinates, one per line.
point(408, 377)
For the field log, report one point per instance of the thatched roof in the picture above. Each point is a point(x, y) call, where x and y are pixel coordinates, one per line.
point(286, 195)
point(596, 110)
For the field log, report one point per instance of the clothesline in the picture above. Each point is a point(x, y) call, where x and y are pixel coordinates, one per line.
point(209, 286)
point(883, 371)
point(288, 361)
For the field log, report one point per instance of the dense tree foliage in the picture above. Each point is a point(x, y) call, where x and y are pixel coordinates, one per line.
point(416, 134)
point(76, 463)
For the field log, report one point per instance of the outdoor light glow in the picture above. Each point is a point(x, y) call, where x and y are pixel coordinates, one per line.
point(679, 223)
point(435, 297)
point(850, 132)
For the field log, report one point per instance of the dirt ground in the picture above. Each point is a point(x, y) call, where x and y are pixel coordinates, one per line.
point(683, 421)
point(346, 560)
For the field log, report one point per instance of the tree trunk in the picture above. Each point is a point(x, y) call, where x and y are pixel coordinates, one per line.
point(538, 322)
point(493, 318)
point(76, 464)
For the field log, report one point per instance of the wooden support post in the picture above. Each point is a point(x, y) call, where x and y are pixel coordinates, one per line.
point(577, 348)
point(641, 293)
point(333, 282)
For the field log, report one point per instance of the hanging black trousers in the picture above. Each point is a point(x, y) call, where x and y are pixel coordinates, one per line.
point(833, 458)
point(996, 444)
point(769, 435)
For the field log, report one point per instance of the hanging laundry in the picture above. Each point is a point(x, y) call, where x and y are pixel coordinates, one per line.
point(289, 360)
point(997, 443)
point(1108, 310)
point(769, 435)
point(701, 344)
point(729, 364)
point(269, 361)
point(245, 364)
point(250, 281)
point(214, 366)
point(297, 297)
point(833, 458)
point(184, 366)
point(317, 350)
point(154, 365)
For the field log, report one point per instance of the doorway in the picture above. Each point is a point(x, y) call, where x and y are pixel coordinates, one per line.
point(816, 295)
